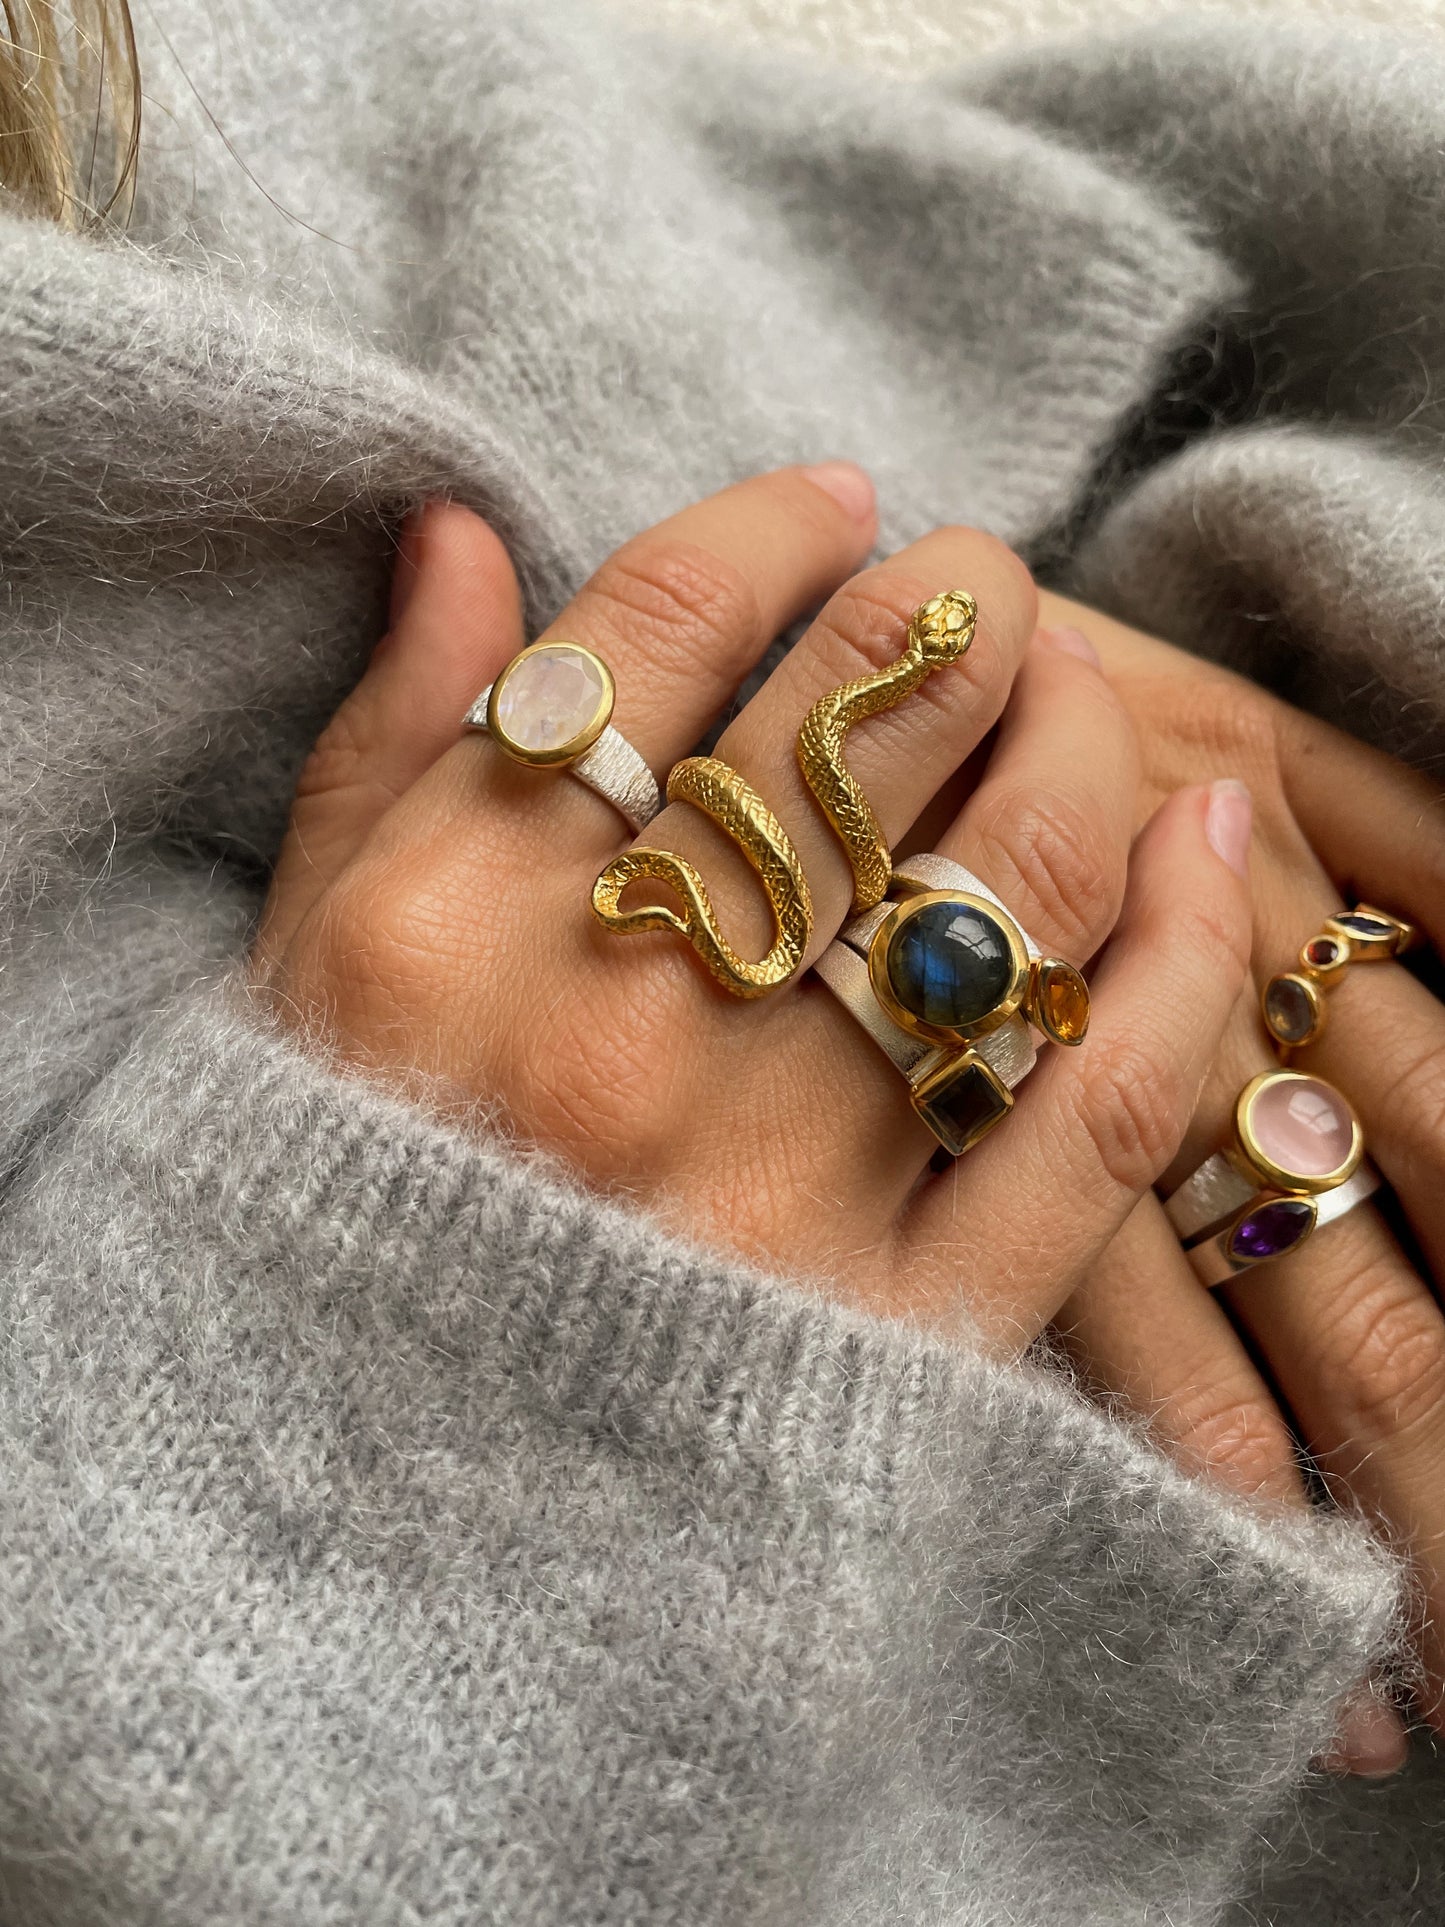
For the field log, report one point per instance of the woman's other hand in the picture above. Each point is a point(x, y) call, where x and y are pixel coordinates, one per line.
point(1349, 1330)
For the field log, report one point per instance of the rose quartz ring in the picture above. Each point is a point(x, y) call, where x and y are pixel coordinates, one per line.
point(1297, 1162)
point(551, 708)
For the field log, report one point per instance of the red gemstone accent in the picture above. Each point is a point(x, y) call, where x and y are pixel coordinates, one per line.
point(1322, 953)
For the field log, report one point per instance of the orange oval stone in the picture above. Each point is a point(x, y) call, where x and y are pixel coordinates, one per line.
point(1061, 1004)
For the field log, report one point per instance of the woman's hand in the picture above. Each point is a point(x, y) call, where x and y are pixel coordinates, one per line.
point(1349, 1328)
point(430, 917)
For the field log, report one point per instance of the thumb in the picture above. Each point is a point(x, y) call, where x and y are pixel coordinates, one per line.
point(456, 621)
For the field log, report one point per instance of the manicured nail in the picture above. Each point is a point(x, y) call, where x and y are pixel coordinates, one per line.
point(1227, 823)
point(849, 487)
point(1072, 641)
point(1370, 1739)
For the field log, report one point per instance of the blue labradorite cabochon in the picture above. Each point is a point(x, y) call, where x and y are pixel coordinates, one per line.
point(949, 964)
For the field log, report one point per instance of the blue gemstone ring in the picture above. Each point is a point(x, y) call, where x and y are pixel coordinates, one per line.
point(1293, 1001)
point(951, 989)
point(1296, 1164)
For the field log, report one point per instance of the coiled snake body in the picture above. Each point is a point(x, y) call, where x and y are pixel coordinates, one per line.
point(717, 789)
point(940, 632)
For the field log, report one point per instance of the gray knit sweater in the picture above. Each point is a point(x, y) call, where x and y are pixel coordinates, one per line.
point(390, 1533)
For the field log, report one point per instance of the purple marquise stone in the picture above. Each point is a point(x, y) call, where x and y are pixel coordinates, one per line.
point(1271, 1230)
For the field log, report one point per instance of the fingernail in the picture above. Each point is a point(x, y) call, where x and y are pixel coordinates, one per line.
point(1227, 823)
point(849, 487)
point(1370, 1739)
point(1072, 641)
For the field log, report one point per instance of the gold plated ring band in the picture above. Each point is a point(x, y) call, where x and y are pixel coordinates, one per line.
point(1293, 1001)
point(939, 632)
point(716, 789)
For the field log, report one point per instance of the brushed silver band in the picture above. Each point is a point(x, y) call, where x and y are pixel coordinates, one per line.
point(611, 767)
point(1211, 1257)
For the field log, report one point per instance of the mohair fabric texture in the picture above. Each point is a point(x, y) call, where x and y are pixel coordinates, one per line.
point(392, 1532)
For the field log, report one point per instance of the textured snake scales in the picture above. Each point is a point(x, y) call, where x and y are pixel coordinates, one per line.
point(737, 808)
point(940, 632)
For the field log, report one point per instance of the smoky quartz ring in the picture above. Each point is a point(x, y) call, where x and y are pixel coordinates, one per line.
point(948, 985)
point(1296, 1163)
point(551, 708)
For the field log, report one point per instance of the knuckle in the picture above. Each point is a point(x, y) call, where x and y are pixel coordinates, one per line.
point(861, 630)
point(676, 596)
point(1133, 1110)
point(616, 1114)
point(341, 754)
point(1229, 723)
point(1380, 1362)
point(1418, 1094)
point(1059, 856)
point(1228, 1429)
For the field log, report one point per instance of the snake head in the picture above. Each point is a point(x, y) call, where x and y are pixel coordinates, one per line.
point(943, 629)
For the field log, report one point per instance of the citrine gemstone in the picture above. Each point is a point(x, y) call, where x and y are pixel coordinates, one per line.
point(1061, 1002)
point(1270, 1230)
point(950, 964)
point(1289, 1010)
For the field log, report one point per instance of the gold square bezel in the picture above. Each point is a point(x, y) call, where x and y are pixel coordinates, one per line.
point(579, 744)
point(936, 1078)
point(903, 913)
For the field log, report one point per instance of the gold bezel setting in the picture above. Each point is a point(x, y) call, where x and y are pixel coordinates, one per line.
point(899, 917)
point(936, 1083)
point(1308, 987)
point(1258, 1159)
point(577, 745)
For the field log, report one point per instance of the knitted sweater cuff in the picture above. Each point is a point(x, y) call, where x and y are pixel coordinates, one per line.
point(1010, 1577)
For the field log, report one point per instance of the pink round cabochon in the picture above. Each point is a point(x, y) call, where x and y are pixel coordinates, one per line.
point(1303, 1125)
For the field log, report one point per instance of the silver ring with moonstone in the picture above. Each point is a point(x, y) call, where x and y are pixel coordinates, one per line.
point(551, 708)
point(1296, 1163)
point(962, 1064)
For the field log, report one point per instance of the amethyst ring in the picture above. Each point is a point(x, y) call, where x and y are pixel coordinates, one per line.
point(1297, 1163)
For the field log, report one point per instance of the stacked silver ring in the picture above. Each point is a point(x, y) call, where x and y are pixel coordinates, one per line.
point(960, 1089)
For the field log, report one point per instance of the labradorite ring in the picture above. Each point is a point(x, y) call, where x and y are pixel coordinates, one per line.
point(947, 983)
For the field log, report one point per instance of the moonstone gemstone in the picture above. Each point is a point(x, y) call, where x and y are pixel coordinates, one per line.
point(949, 964)
point(550, 698)
point(1271, 1229)
point(1303, 1125)
point(1288, 1009)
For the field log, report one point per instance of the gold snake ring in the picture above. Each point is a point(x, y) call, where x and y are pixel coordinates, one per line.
point(736, 808)
point(940, 632)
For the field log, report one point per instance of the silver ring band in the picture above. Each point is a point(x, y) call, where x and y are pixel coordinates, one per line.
point(611, 767)
point(1211, 1257)
point(1003, 1056)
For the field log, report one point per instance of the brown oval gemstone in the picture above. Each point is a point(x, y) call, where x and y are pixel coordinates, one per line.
point(1061, 1005)
point(1289, 1010)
